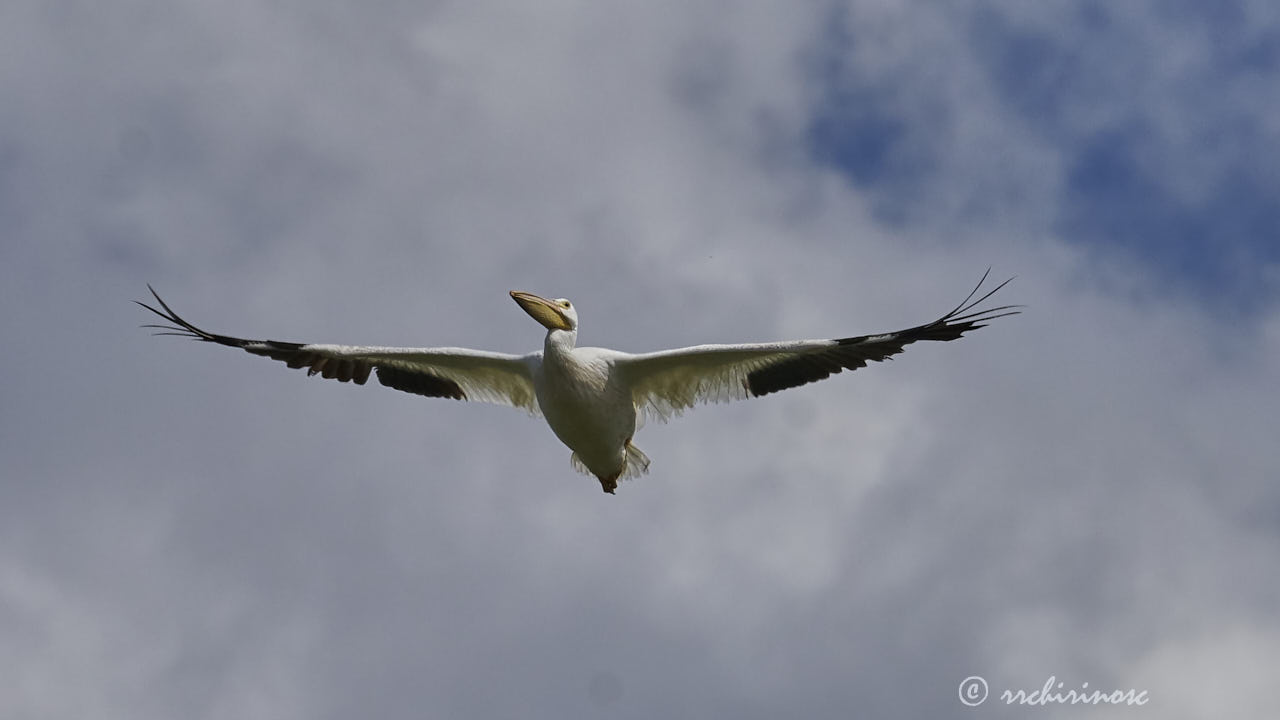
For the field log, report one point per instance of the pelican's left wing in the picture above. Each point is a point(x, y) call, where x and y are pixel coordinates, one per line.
point(668, 382)
point(455, 373)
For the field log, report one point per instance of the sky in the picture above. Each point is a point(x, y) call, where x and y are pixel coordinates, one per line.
point(1084, 493)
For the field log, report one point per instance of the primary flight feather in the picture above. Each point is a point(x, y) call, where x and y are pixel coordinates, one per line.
point(591, 397)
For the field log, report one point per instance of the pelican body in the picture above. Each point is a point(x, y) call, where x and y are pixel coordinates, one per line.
point(584, 395)
point(592, 398)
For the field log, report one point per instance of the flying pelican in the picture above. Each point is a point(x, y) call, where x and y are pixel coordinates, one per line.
point(591, 397)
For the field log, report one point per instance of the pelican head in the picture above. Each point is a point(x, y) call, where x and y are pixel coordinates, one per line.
point(555, 314)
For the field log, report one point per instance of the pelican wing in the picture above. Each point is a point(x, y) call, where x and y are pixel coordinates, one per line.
point(668, 382)
point(455, 373)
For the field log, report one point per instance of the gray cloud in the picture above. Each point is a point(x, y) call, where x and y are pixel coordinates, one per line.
point(1083, 491)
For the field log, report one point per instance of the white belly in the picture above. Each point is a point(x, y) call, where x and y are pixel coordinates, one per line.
point(591, 414)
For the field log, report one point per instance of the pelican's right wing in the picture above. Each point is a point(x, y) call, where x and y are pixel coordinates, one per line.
point(455, 373)
point(668, 382)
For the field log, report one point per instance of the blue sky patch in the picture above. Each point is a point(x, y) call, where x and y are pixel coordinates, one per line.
point(1166, 157)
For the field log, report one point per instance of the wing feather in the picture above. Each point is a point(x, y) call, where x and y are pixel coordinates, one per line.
point(668, 382)
point(456, 373)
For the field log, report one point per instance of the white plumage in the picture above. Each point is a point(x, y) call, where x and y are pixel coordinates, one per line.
point(592, 397)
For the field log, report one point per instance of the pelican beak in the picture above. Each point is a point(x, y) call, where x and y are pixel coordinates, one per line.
point(543, 310)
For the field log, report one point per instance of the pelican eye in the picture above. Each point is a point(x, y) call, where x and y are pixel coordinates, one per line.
point(565, 304)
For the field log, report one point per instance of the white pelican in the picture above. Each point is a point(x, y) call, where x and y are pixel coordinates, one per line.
point(589, 396)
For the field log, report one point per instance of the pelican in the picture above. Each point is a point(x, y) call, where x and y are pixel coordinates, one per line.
point(592, 397)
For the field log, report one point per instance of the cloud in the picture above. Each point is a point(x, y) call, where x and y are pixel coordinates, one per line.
point(1138, 129)
point(1081, 491)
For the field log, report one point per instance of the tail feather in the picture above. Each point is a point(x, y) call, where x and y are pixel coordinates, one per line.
point(637, 463)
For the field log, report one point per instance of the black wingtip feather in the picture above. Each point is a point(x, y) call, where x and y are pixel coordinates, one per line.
point(179, 327)
point(295, 355)
point(854, 352)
